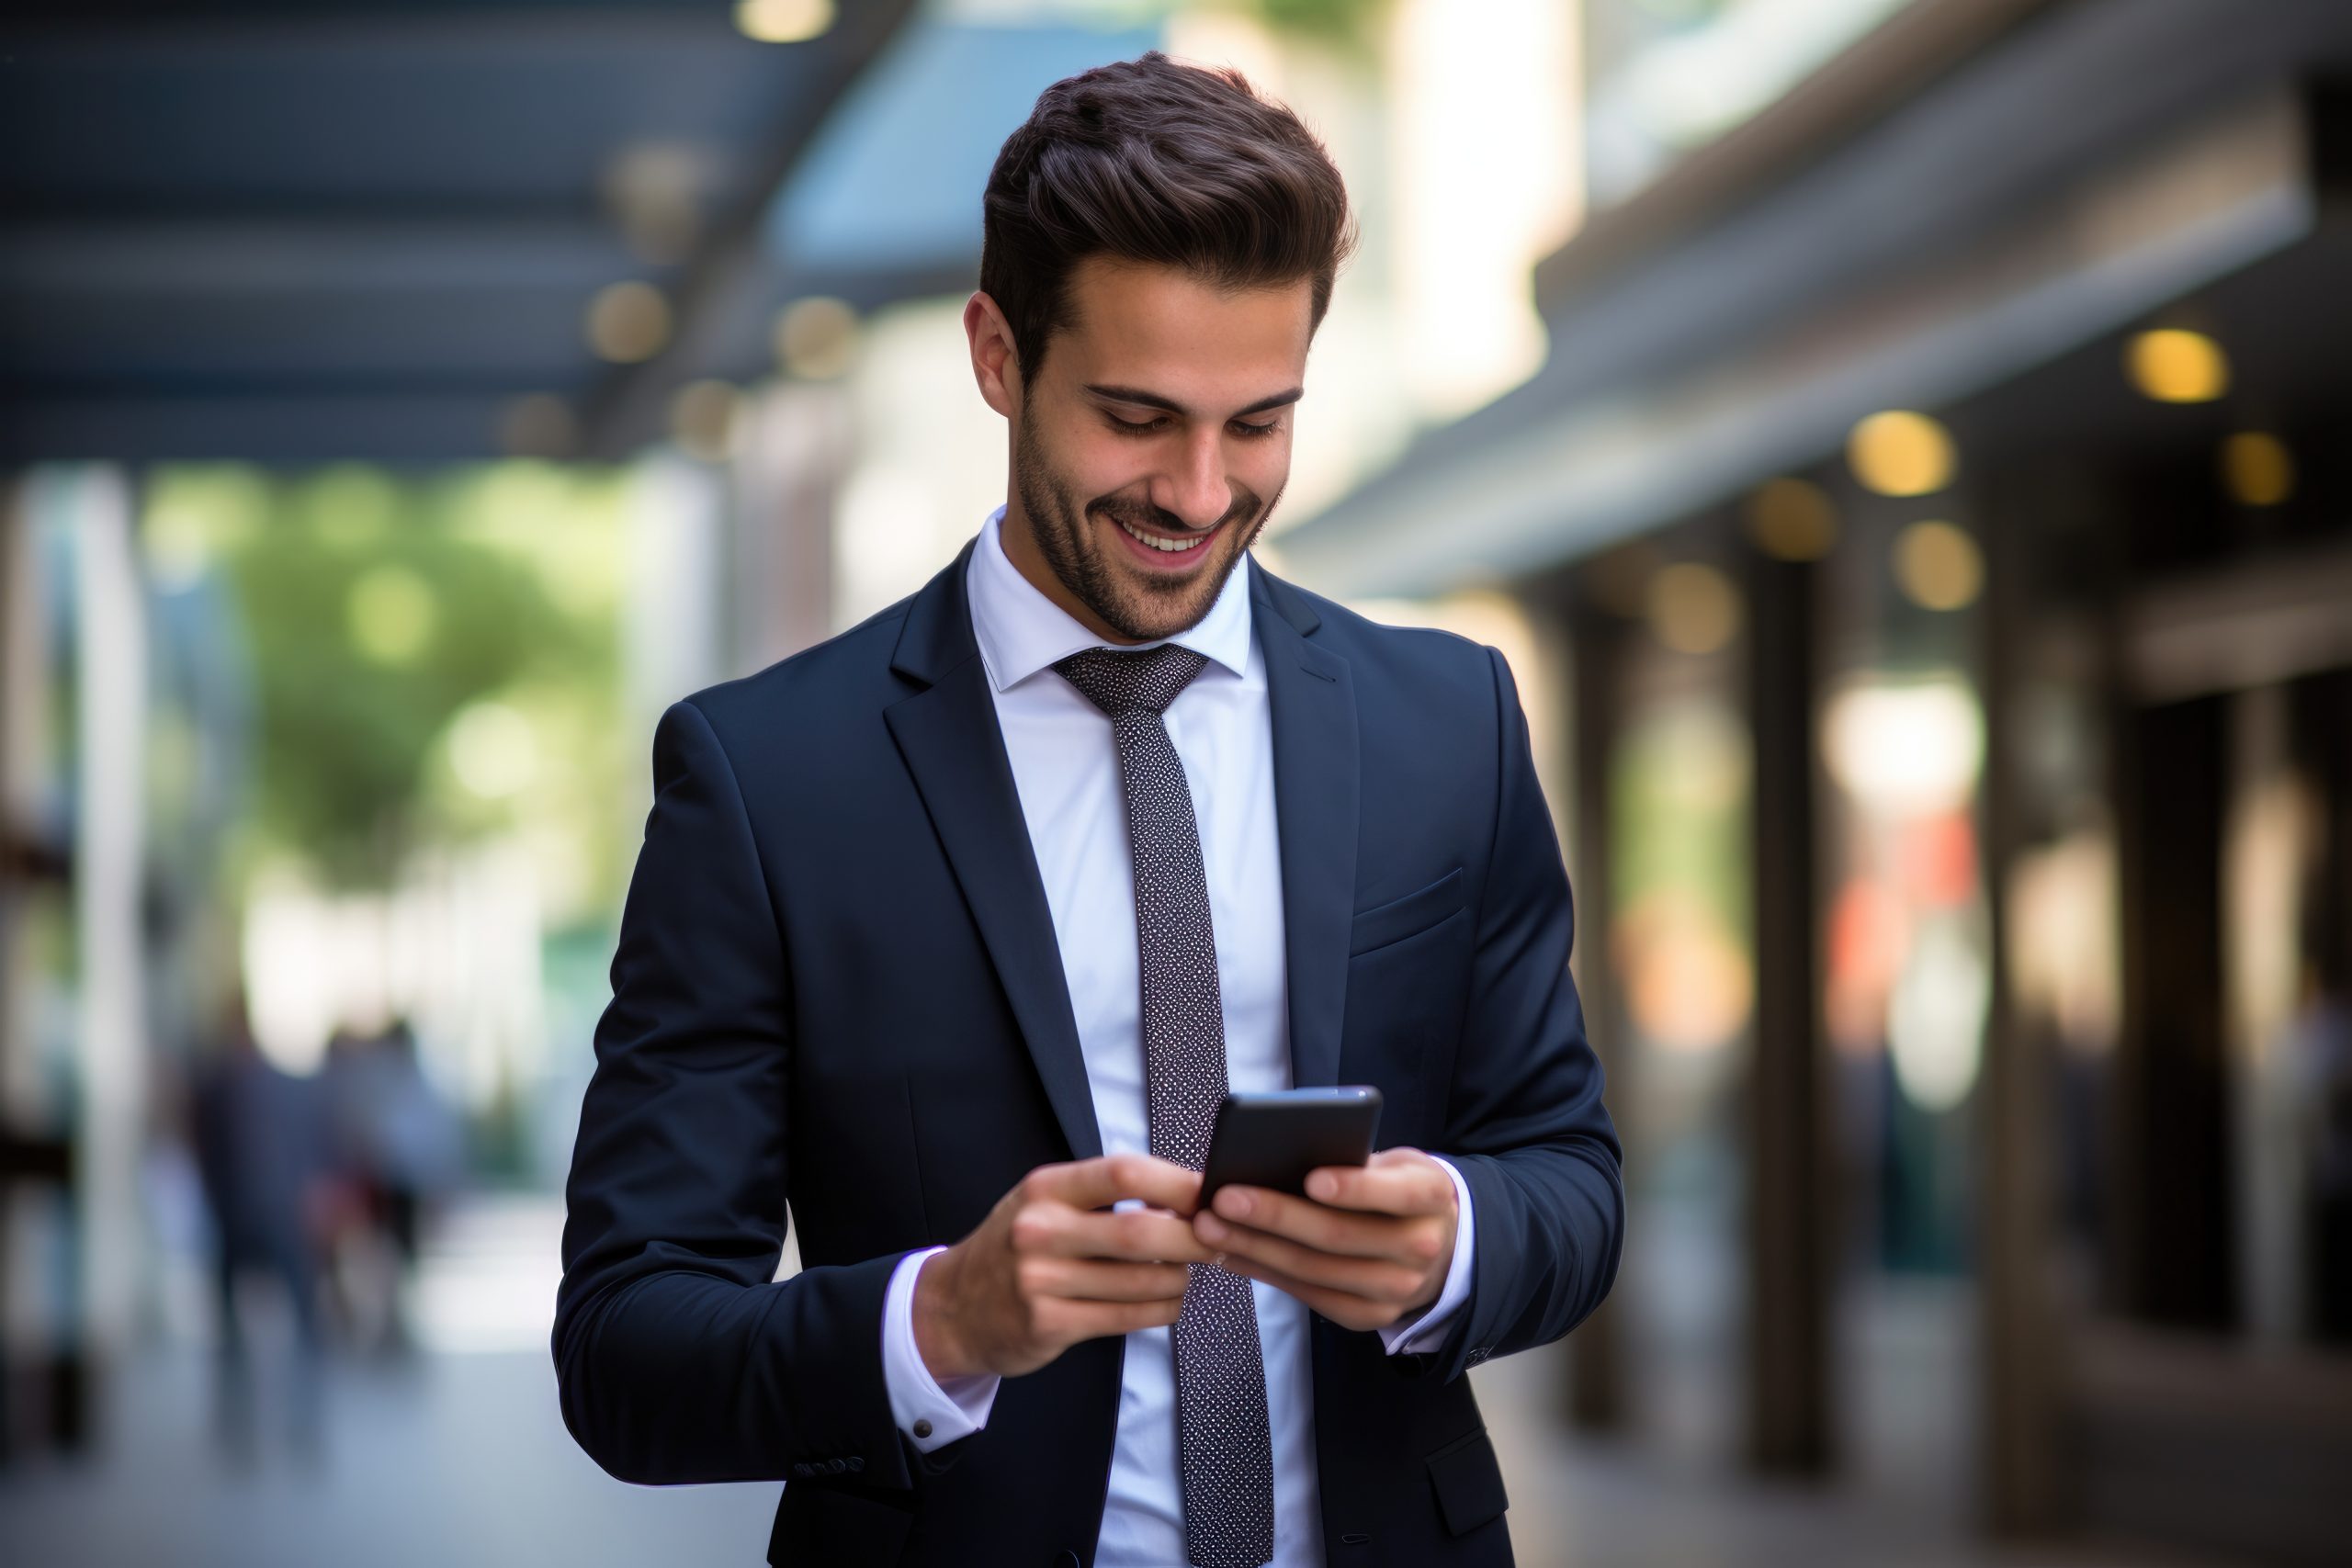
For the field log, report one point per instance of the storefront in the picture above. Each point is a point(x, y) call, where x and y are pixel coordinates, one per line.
point(1938, 483)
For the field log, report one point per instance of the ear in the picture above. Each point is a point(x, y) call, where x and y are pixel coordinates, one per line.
point(995, 365)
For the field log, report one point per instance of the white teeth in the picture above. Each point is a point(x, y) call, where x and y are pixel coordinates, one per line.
point(1168, 544)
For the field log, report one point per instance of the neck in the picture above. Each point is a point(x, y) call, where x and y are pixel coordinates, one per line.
point(1020, 537)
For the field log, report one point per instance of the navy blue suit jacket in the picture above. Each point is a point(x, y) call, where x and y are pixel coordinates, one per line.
point(838, 983)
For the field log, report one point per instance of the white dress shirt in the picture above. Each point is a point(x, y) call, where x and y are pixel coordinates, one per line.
point(1067, 772)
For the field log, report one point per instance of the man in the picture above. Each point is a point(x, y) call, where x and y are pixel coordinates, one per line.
point(957, 927)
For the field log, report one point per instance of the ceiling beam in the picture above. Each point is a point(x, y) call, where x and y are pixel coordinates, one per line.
point(226, 255)
point(720, 281)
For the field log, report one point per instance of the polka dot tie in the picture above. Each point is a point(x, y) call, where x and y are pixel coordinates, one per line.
point(1223, 1444)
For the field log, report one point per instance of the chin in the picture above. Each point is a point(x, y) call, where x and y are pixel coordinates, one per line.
point(1166, 607)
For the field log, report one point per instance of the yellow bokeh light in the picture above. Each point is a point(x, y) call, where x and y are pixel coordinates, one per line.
point(2257, 468)
point(1792, 519)
point(2175, 365)
point(493, 750)
point(815, 338)
point(1898, 451)
point(783, 21)
point(1693, 608)
point(1938, 566)
point(390, 615)
point(629, 322)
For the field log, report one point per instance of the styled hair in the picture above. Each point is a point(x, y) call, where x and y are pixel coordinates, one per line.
point(1150, 161)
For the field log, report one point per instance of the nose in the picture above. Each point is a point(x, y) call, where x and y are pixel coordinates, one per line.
point(1194, 487)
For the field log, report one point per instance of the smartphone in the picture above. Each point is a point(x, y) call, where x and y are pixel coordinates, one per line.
point(1273, 1140)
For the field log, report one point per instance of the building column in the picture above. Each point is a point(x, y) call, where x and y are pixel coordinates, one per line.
point(2020, 1469)
point(109, 1106)
point(1597, 1357)
point(787, 484)
point(1789, 1424)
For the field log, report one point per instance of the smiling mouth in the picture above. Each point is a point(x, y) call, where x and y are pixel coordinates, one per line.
point(1165, 545)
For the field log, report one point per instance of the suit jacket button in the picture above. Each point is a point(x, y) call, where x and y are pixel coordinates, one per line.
point(1066, 1560)
point(837, 1465)
point(799, 1468)
point(855, 1461)
point(922, 1427)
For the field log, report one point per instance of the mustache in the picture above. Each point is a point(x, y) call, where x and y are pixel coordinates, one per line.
point(1143, 514)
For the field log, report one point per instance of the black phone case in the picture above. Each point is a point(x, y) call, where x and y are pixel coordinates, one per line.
point(1274, 1140)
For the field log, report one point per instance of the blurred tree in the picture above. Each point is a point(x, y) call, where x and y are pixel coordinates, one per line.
point(406, 635)
point(1352, 26)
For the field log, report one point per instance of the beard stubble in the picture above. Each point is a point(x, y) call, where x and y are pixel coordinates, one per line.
point(1136, 607)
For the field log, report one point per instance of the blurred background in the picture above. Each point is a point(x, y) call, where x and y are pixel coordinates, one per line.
point(1900, 445)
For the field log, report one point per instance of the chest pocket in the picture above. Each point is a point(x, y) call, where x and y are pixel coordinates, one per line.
point(1408, 974)
point(1387, 924)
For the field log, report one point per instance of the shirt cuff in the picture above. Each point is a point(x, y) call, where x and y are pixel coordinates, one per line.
point(931, 1413)
point(1425, 1331)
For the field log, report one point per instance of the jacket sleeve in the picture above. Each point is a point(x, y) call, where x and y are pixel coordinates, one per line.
point(678, 1358)
point(1524, 1120)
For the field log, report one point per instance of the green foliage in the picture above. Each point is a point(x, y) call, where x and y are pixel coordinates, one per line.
point(377, 611)
point(1351, 25)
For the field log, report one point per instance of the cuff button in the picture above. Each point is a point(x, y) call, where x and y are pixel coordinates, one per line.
point(922, 1427)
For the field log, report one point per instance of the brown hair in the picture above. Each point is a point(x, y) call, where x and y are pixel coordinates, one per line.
point(1150, 161)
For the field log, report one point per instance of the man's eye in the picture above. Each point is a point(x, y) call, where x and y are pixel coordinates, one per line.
point(1253, 432)
point(1137, 427)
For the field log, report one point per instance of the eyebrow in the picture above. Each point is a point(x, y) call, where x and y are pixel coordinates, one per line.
point(1142, 398)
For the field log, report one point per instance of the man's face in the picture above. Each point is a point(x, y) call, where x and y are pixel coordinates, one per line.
point(1152, 447)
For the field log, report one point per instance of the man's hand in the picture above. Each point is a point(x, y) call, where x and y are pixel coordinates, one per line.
point(1371, 1249)
point(1049, 1267)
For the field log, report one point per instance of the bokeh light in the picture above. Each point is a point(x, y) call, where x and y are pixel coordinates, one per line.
point(1938, 566)
point(492, 750)
point(783, 21)
point(1693, 608)
point(2257, 469)
point(2173, 365)
point(390, 615)
point(815, 338)
point(1904, 748)
point(1902, 453)
point(1792, 519)
point(629, 322)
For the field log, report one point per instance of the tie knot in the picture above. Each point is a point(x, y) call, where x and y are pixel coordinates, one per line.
point(1129, 682)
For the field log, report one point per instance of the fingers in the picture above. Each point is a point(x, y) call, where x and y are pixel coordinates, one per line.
point(1068, 1322)
point(1100, 1182)
point(1342, 1307)
point(1140, 1235)
point(1082, 1279)
point(1382, 1278)
point(1396, 1182)
point(1408, 1239)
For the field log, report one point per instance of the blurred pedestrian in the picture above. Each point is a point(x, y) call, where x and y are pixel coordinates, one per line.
point(417, 1156)
point(261, 1151)
point(399, 1150)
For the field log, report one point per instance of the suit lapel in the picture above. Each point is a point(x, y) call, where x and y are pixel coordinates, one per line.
point(1317, 790)
point(947, 733)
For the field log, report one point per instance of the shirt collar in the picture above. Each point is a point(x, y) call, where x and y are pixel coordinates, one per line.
point(1021, 631)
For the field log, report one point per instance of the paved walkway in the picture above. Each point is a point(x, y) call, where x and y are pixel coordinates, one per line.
point(459, 1459)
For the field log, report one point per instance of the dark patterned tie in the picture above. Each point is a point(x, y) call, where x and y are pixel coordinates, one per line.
point(1222, 1444)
